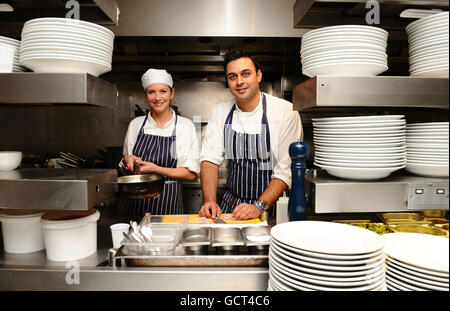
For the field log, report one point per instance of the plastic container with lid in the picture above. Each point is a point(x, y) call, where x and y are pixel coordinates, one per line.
point(22, 231)
point(70, 235)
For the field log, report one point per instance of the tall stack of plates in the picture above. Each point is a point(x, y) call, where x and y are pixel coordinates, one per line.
point(16, 44)
point(428, 46)
point(361, 148)
point(416, 262)
point(316, 255)
point(427, 149)
point(66, 46)
point(350, 50)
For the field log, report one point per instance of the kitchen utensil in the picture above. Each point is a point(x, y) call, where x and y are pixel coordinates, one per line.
point(117, 233)
point(219, 220)
point(10, 160)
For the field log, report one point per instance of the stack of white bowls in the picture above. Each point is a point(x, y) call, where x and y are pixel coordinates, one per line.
point(66, 46)
point(16, 45)
point(347, 50)
point(427, 149)
point(416, 262)
point(326, 256)
point(428, 46)
point(360, 148)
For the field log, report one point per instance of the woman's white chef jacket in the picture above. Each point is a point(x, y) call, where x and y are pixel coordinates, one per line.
point(186, 142)
point(284, 125)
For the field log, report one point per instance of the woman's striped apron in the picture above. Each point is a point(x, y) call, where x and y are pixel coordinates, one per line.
point(251, 163)
point(162, 151)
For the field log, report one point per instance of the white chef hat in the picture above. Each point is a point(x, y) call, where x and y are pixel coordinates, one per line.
point(156, 76)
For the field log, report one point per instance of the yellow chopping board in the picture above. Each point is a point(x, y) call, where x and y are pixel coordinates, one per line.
point(196, 219)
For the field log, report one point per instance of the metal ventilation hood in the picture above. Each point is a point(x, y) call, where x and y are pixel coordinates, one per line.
point(53, 88)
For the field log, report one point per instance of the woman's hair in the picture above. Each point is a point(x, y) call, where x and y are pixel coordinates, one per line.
point(235, 54)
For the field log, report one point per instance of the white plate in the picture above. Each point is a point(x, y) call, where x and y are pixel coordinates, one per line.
point(353, 135)
point(345, 131)
point(431, 135)
point(427, 156)
point(423, 22)
point(358, 164)
point(415, 280)
point(428, 170)
point(328, 267)
point(349, 49)
point(441, 147)
point(425, 251)
point(308, 286)
point(337, 283)
point(428, 125)
point(432, 275)
point(424, 151)
point(438, 73)
point(43, 32)
point(427, 46)
point(374, 150)
point(360, 157)
point(416, 140)
point(360, 124)
point(351, 140)
point(327, 237)
point(349, 69)
point(343, 43)
point(358, 145)
point(345, 36)
point(351, 62)
point(70, 23)
point(443, 163)
point(280, 250)
point(360, 173)
point(76, 49)
point(414, 285)
point(64, 65)
point(347, 28)
point(361, 161)
point(359, 118)
point(316, 255)
point(71, 42)
point(282, 284)
point(316, 60)
point(401, 284)
point(64, 56)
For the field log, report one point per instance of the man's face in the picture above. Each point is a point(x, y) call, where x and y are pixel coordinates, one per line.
point(243, 79)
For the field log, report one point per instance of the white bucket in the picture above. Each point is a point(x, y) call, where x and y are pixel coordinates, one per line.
point(70, 235)
point(7, 53)
point(22, 231)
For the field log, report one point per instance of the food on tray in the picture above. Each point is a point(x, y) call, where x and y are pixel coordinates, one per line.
point(375, 227)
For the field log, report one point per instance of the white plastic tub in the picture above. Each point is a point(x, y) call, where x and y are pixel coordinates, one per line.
point(70, 235)
point(21, 231)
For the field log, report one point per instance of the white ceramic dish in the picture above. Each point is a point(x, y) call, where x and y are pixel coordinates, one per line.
point(343, 56)
point(359, 118)
point(437, 73)
point(424, 151)
point(426, 141)
point(74, 49)
point(428, 156)
point(426, 273)
point(348, 28)
point(357, 156)
point(349, 49)
point(356, 140)
point(64, 65)
point(428, 125)
point(423, 22)
point(425, 251)
point(327, 237)
point(440, 147)
point(357, 145)
point(10, 160)
point(369, 150)
point(339, 35)
point(354, 162)
point(360, 173)
point(360, 124)
point(42, 32)
point(340, 43)
point(325, 256)
point(352, 135)
point(346, 69)
point(431, 170)
point(337, 282)
point(403, 285)
point(306, 285)
point(419, 281)
point(71, 42)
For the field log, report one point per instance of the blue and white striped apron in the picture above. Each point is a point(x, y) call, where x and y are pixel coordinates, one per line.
point(251, 163)
point(159, 150)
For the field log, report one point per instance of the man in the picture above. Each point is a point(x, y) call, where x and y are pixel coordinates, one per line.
point(253, 131)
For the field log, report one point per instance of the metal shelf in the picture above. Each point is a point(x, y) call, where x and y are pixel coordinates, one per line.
point(57, 88)
point(379, 91)
point(396, 193)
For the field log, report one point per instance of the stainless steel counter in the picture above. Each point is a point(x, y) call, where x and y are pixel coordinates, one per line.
point(34, 272)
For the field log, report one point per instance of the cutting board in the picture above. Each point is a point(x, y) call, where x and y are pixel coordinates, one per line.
point(196, 219)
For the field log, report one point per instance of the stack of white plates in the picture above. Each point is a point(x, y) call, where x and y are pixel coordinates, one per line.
point(428, 46)
point(347, 50)
point(316, 255)
point(416, 262)
point(427, 149)
point(362, 148)
point(66, 46)
point(16, 44)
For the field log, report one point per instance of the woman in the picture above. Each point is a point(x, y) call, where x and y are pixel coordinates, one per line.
point(160, 142)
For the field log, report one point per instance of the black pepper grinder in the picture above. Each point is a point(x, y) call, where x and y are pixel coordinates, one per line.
point(298, 152)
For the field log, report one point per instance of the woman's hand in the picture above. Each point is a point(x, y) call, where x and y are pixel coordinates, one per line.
point(246, 211)
point(147, 167)
point(129, 161)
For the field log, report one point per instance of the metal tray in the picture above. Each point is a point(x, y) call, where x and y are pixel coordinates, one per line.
point(180, 259)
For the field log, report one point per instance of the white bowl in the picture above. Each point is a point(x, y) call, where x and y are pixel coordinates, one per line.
point(423, 22)
point(430, 170)
point(346, 69)
point(65, 65)
point(10, 160)
point(360, 173)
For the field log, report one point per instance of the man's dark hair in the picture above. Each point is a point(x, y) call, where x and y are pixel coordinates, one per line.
point(235, 54)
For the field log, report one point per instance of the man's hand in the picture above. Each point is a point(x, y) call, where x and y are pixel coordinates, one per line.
point(147, 167)
point(246, 211)
point(210, 210)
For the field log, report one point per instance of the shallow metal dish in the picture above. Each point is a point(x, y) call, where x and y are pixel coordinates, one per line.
point(196, 241)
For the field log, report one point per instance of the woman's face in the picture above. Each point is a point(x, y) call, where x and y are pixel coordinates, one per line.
point(159, 96)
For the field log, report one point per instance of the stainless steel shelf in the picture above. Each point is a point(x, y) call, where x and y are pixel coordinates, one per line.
point(56, 189)
point(57, 88)
point(379, 91)
point(396, 193)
